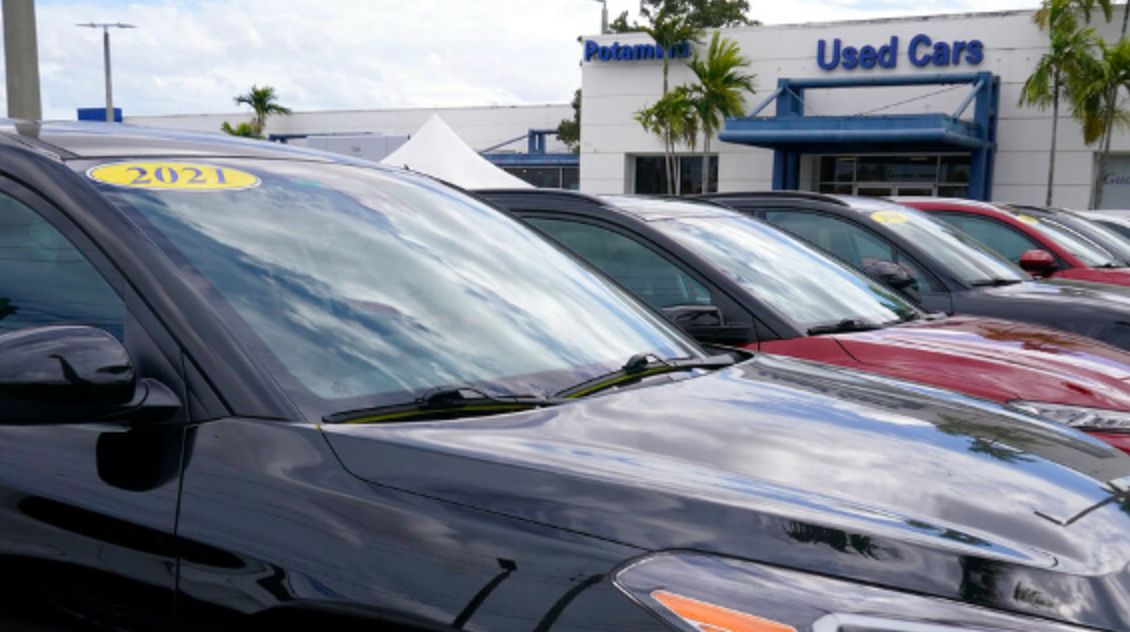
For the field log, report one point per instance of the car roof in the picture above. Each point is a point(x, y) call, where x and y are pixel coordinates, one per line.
point(869, 204)
point(657, 208)
point(1120, 216)
point(948, 201)
point(643, 208)
point(90, 140)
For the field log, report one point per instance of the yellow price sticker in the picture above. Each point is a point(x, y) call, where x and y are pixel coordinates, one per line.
point(172, 176)
point(1027, 219)
point(890, 217)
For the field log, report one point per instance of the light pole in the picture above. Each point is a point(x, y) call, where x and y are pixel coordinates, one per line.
point(106, 26)
point(21, 60)
point(603, 16)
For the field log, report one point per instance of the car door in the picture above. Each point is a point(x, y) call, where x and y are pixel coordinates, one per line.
point(648, 272)
point(88, 507)
point(861, 248)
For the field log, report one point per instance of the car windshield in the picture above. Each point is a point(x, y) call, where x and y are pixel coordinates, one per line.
point(359, 287)
point(802, 285)
point(963, 257)
point(1093, 244)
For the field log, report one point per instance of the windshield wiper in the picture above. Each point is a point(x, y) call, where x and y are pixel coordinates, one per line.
point(995, 282)
point(443, 403)
point(844, 326)
point(643, 365)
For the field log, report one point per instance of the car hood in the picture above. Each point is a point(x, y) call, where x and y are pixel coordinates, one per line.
point(1065, 292)
point(999, 360)
point(786, 461)
point(1115, 276)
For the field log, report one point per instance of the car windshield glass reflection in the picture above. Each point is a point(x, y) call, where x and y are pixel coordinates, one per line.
point(1086, 240)
point(357, 287)
point(963, 256)
point(801, 284)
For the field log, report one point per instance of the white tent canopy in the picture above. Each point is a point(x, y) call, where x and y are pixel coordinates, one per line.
point(437, 151)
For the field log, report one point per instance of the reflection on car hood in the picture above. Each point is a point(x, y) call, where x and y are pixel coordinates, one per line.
point(1112, 276)
point(999, 360)
point(803, 465)
point(1067, 292)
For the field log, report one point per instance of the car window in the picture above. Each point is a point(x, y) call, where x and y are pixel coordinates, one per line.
point(1090, 253)
point(1004, 239)
point(804, 286)
point(358, 286)
point(1093, 233)
point(639, 268)
point(45, 280)
point(1115, 226)
point(847, 241)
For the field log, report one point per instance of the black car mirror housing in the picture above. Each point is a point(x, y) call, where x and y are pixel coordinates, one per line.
point(890, 273)
point(74, 373)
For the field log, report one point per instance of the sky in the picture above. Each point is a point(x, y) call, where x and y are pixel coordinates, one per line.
point(188, 57)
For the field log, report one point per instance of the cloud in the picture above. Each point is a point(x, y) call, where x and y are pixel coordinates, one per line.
point(193, 57)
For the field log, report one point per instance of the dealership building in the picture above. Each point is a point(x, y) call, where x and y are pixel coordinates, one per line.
point(906, 106)
point(910, 106)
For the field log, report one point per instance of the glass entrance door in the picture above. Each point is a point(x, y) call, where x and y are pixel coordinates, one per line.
point(883, 175)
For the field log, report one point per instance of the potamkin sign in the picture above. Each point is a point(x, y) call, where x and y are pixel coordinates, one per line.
point(921, 51)
point(634, 52)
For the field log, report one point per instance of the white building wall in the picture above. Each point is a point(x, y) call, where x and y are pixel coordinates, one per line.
point(479, 127)
point(614, 91)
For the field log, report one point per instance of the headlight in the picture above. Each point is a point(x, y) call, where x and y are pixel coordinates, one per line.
point(1096, 419)
point(704, 593)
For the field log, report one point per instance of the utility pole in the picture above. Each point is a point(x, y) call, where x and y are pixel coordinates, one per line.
point(106, 26)
point(603, 16)
point(21, 60)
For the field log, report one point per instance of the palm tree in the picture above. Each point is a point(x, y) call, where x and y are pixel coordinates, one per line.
point(720, 89)
point(1067, 45)
point(1097, 94)
point(673, 119)
point(242, 129)
point(668, 29)
point(1085, 7)
point(264, 103)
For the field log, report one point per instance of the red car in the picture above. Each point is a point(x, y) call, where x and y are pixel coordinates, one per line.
point(1039, 240)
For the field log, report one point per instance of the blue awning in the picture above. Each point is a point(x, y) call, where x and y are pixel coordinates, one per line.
point(790, 133)
point(816, 134)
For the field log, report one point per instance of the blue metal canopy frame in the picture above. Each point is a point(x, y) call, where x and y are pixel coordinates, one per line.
point(791, 134)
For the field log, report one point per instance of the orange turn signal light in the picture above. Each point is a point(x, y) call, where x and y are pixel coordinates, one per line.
point(708, 617)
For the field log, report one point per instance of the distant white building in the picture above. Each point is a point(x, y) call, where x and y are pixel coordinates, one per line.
point(499, 131)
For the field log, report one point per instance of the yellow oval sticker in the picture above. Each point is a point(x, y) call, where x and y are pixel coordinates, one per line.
point(172, 176)
point(890, 217)
point(1027, 219)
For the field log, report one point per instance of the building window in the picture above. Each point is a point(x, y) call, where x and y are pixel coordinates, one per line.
point(875, 175)
point(651, 174)
point(548, 177)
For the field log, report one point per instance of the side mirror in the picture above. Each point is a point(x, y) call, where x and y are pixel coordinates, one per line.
point(1038, 263)
point(705, 324)
point(71, 373)
point(889, 273)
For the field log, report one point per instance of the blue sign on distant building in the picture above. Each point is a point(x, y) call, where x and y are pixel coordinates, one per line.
point(922, 51)
point(634, 52)
point(98, 114)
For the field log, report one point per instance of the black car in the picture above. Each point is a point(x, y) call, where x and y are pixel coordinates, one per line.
point(939, 267)
point(246, 387)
